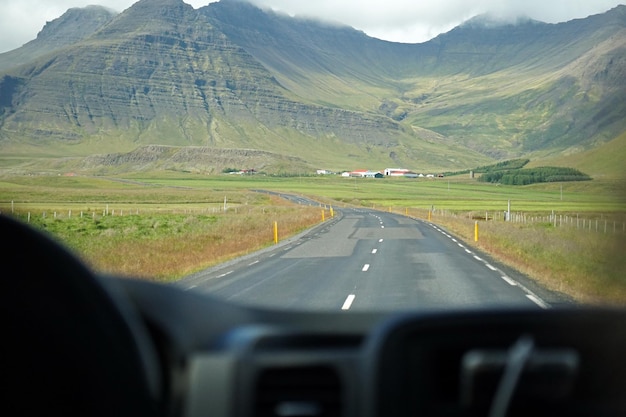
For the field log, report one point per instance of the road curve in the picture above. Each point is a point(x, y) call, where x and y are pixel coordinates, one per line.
point(374, 261)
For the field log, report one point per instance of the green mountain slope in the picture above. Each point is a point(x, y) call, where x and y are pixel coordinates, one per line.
point(532, 86)
point(230, 75)
point(605, 161)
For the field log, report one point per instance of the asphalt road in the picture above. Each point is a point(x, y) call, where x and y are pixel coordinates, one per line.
point(371, 260)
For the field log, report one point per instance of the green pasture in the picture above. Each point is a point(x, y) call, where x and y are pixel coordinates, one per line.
point(189, 191)
point(453, 193)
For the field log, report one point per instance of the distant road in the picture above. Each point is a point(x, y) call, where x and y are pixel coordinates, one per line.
point(369, 260)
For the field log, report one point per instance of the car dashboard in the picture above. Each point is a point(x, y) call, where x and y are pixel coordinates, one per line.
point(82, 344)
point(435, 363)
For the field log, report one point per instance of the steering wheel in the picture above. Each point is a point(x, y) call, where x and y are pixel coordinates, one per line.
point(72, 345)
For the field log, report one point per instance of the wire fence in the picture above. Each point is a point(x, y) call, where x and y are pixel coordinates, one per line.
point(585, 222)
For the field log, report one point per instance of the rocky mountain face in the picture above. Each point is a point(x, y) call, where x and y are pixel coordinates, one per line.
point(230, 75)
point(75, 25)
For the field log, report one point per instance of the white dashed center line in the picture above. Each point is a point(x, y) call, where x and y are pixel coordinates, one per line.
point(374, 251)
point(365, 267)
point(346, 304)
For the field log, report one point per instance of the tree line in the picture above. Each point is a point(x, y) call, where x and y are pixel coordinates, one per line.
point(534, 175)
point(500, 166)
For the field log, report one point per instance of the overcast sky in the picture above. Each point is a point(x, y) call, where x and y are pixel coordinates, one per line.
point(395, 20)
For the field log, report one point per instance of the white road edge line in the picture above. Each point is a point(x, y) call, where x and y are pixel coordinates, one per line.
point(537, 301)
point(365, 267)
point(254, 263)
point(509, 280)
point(346, 304)
point(477, 258)
point(493, 268)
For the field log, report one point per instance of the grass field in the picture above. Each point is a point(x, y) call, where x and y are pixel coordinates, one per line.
point(454, 193)
point(166, 225)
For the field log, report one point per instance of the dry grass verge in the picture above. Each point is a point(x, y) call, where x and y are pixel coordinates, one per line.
point(586, 265)
point(165, 247)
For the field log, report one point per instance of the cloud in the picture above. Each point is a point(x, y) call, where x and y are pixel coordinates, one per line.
point(396, 20)
point(22, 20)
point(418, 21)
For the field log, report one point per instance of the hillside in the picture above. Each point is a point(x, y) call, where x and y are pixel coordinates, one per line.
point(230, 75)
point(605, 161)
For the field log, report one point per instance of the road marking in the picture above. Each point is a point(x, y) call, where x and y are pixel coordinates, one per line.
point(253, 263)
point(365, 267)
point(380, 241)
point(477, 258)
point(346, 304)
point(509, 280)
point(382, 227)
point(468, 251)
point(224, 274)
point(491, 267)
point(537, 301)
point(374, 251)
point(461, 246)
point(453, 239)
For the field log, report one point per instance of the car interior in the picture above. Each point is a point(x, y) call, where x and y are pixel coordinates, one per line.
point(84, 344)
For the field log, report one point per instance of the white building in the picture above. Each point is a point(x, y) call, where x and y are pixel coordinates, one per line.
point(400, 172)
point(395, 172)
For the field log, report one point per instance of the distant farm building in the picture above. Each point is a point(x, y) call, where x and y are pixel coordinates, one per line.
point(363, 173)
point(399, 172)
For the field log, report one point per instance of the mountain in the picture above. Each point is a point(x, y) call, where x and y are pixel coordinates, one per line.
point(231, 75)
point(75, 25)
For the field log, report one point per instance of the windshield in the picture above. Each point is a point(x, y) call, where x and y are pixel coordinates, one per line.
point(287, 163)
